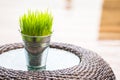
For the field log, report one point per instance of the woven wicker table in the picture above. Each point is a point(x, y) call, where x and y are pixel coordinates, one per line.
point(91, 66)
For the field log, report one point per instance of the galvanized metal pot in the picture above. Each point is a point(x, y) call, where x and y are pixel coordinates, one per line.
point(36, 50)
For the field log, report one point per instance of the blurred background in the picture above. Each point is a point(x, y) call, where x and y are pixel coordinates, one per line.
point(92, 24)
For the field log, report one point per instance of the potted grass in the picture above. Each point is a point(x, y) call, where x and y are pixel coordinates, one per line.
point(36, 30)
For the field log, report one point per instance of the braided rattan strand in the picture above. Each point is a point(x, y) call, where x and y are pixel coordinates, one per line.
point(91, 67)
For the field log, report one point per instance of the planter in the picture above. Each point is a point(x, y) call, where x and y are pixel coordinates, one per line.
point(36, 50)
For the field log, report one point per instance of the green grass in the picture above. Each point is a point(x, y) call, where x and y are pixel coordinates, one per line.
point(36, 23)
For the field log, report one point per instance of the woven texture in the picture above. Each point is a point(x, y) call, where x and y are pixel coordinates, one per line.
point(91, 67)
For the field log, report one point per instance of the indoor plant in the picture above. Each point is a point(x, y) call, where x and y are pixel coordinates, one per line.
point(36, 30)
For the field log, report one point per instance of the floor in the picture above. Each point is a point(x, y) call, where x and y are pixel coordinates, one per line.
point(78, 25)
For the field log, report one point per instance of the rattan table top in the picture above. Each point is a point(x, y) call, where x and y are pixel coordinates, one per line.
point(91, 67)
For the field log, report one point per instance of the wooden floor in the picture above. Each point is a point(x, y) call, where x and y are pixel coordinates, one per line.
point(110, 20)
point(109, 36)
